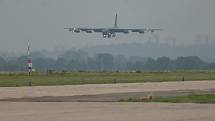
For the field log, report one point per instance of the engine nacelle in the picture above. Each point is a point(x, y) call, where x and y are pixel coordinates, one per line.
point(89, 31)
point(141, 32)
point(125, 31)
point(134, 30)
point(77, 30)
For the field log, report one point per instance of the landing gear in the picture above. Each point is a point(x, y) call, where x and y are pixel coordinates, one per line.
point(109, 35)
point(104, 35)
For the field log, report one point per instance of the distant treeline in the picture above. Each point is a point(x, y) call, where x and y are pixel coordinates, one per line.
point(79, 61)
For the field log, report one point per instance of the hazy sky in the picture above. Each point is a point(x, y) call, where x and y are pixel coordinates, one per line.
point(42, 21)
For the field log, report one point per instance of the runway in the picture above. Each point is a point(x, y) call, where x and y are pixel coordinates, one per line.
point(77, 111)
point(73, 110)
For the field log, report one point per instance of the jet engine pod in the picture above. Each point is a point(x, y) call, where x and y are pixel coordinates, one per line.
point(125, 31)
point(76, 30)
point(141, 31)
point(134, 30)
point(89, 31)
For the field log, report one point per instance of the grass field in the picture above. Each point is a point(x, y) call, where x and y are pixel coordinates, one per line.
point(209, 98)
point(70, 78)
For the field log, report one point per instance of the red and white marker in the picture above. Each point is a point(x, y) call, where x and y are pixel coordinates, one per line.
point(29, 60)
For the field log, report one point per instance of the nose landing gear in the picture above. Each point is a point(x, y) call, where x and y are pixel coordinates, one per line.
point(109, 35)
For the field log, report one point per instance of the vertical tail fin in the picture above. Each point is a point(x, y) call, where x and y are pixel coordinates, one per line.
point(115, 24)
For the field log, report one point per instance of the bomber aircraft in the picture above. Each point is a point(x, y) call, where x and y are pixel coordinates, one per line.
point(111, 32)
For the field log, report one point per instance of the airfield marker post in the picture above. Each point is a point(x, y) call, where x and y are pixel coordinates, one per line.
point(29, 65)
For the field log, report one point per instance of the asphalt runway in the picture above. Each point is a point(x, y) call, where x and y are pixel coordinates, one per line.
point(97, 111)
point(94, 102)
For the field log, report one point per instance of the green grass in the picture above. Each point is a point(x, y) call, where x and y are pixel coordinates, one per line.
point(207, 98)
point(71, 78)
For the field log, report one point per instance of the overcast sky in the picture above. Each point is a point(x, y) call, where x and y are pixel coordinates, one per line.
point(42, 21)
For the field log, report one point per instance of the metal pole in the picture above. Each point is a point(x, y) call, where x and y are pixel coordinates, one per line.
point(29, 63)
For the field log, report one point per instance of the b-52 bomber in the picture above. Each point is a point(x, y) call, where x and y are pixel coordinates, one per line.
point(111, 32)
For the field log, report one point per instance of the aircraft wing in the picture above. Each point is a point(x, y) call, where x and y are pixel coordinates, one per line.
point(88, 30)
point(132, 30)
point(115, 30)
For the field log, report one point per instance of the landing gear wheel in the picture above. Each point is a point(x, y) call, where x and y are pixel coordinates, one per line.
point(109, 35)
